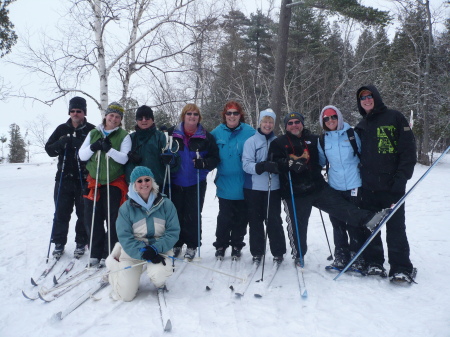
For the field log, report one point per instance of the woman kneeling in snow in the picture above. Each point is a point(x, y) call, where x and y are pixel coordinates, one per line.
point(146, 226)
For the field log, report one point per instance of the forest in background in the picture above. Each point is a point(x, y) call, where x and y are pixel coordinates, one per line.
point(166, 55)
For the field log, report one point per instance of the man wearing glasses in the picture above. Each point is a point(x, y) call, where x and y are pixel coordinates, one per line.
point(70, 177)
point(388, 157)
point(303, 186)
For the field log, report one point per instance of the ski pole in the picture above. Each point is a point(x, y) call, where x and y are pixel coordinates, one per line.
point(267, 222)
point(204, 267)
point(390, 214)
point(57, 200)
point(329, 258)
point(108, 202)
point(302, 264)
point(95, 202)
point(198, 205)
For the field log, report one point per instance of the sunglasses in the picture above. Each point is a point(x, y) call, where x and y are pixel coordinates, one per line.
point(234, 113)
point(363, 98)
point(192, 113)
point(142, 180)
point(142, 118)
point(333, 117)
point(76, 111)
point(292, 123)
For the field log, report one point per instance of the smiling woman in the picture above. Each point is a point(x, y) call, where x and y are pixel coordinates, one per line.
point(105, 148)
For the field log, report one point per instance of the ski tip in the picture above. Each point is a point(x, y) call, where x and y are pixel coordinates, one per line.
point(33, 282)
point(28, 297)
point(239, 295)
point(42, 298)
point(55, 281)
point(305, 294)
point(58, 316)
point(208, 288)
point(258, 295)
point(168, 326)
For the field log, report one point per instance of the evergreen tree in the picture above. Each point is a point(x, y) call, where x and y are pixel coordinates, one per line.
point(7, 35)
point(17, 151)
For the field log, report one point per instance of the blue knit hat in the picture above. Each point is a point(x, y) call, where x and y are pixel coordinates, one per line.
point(294, 115)
point(140, 171)
point(268, 112)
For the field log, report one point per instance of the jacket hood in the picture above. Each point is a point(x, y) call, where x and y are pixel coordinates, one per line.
point(379, 105)
point(339, 114)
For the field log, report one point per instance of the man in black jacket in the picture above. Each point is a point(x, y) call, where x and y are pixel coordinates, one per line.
point(70, 177)
point(297, 157)
point(388, 157)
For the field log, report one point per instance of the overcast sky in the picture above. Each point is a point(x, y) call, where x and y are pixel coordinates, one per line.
point(35, 16)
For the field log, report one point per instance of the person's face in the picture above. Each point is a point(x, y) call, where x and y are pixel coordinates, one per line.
point(232, 117)
point(295, 127)
point(77, 116)
point(366, 100)
point(267, 125)
point(143, 186)
point(331, 121)
point(144, 122)
point(191, 119)
point(112, 120)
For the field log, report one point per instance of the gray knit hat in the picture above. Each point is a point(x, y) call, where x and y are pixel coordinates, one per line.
point(116, 108)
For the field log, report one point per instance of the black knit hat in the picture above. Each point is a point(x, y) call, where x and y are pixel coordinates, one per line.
point(294, 115)
point(78, 103)
point(144, 111)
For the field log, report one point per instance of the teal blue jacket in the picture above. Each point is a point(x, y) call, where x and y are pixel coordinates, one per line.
point(230, 174)
point(137, 227)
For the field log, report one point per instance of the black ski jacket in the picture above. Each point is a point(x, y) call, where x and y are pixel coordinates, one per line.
point(305, 182)
point(388, 147)
point(54, 147)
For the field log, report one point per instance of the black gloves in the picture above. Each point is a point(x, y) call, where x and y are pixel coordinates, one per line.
point(298, 165)
point(150, 253)
point(134, 158)
point(399, 184)
point(62, 142)
point(167, 158)
point(199, 163)
point(96, 145)
point(106, 145)
point(266, 166)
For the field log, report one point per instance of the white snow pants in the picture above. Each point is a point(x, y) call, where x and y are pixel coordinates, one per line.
point(125, 283)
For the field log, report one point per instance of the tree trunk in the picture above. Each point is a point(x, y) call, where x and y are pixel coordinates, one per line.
point(280, 63)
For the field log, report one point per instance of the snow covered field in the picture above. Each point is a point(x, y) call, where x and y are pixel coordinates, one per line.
point(351, 306)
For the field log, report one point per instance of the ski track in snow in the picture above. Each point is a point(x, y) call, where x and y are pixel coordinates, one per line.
point(353, 305)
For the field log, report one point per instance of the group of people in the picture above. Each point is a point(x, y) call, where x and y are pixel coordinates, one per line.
point(149, 186)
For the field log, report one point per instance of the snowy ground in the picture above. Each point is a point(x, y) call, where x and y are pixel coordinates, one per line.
point(351, 306)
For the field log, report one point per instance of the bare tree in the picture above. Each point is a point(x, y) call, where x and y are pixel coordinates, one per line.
point(38, 130)
point(114, 39)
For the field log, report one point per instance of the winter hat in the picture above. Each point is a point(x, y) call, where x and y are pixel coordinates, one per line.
point(268, 112)
point(78, 103)
point(140, 171)
point(294, 115)
point(116, 108)
point(144, 111)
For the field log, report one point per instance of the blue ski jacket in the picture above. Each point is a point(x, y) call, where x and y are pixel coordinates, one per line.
point(230, 175)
